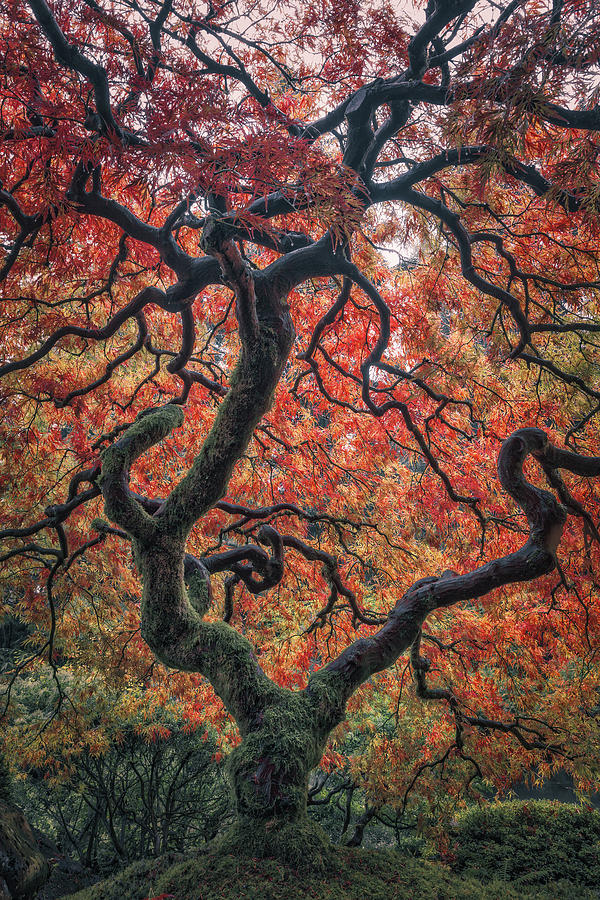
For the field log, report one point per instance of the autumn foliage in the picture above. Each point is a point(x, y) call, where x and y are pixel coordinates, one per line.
point(420, 186)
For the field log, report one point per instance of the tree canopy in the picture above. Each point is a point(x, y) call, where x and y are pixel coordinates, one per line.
point(283, 283)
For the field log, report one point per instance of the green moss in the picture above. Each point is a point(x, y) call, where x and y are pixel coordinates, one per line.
point(529, 843)
point(300, 845)
point(251, 390)
point(198, 588)
point(328, 694)
point(146, 431)
point(269, 770)
point(136, 882)
point(347, 875)
point(117, 459)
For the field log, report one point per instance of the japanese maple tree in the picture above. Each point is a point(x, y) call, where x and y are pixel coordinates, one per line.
point(281, 283)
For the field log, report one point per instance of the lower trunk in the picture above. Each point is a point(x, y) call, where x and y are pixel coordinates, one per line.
point(268, 774)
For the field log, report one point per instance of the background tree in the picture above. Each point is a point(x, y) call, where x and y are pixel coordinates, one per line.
point(142, 792)
point(194, 200)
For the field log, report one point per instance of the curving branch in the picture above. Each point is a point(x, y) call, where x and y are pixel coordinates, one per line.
point(131, 310)
point(69, 55)
point(546, 518)
point(268, 566)
point(376, 128)
point(176, 586)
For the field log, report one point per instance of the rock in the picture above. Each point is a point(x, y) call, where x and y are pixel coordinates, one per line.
point(23, 869)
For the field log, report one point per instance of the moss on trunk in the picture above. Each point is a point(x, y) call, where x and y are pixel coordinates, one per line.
point(283, 732)
point(301, 845)
point(268, 772)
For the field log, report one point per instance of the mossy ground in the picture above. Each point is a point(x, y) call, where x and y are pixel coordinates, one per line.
point(350, 875)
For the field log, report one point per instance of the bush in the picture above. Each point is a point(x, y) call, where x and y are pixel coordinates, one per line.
point(528, 843)
point(122, 784)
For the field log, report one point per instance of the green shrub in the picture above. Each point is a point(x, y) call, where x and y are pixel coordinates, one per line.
point(528, 843)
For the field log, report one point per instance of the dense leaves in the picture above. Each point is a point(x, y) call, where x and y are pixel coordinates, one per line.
point(421, 189)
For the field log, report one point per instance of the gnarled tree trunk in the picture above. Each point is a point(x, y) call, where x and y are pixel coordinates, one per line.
point(283, 732)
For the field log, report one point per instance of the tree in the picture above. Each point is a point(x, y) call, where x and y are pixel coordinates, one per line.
point(194, 199)
point(141, 795)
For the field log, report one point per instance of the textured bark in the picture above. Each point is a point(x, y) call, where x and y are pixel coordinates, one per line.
point(23, 869)
point(176, 590)
point(446, 62)
point(283, 732)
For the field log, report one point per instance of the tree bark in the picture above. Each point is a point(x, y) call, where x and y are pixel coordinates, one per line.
point(283, 732)
point(23, 868)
